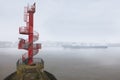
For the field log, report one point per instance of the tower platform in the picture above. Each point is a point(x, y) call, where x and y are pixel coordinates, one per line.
point(35, 71)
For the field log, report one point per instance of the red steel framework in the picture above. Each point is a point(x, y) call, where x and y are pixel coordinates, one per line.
point(33, 49)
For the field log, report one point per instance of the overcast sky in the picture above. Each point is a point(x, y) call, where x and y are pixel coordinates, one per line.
point(64, 20)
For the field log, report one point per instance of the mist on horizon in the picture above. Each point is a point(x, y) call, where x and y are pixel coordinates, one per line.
point(91, 21)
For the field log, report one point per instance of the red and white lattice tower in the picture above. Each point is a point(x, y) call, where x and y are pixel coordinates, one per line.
point(33, 49)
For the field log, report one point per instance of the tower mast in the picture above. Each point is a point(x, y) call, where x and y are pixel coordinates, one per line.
point(32, 36)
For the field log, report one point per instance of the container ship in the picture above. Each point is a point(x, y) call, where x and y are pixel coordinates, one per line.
point(84, 46)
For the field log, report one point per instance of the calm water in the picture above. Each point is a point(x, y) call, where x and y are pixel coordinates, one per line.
point(69, 64)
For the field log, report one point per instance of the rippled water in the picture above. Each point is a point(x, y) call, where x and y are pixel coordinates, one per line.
point(69, 64)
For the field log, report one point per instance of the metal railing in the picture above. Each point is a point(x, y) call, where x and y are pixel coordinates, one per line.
point(35, 61)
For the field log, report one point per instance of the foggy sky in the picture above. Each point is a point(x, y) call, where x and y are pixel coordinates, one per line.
point(64, 20)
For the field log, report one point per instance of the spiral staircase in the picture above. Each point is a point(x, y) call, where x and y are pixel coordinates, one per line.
point(32, 48)
point(29, 68)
